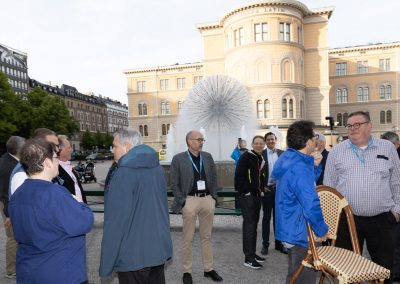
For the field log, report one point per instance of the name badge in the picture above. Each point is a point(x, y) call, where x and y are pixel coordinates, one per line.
point(201, 185)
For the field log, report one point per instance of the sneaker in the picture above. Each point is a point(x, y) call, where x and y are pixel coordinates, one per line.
point(259, 259)
point(264, 251)
point(11, 275)
point(252, 264)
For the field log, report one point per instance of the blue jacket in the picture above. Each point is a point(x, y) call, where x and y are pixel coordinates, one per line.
point(136, 230)
point(49, 226)
point(296, 200)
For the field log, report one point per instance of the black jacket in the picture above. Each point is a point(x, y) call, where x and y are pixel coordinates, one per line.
point(323, 162)
point(69, 182)
point(7, 164)
point(249, 177)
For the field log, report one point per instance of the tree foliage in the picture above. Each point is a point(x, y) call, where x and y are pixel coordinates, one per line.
point(8, 111)
point(87, 141)
point(98, 140)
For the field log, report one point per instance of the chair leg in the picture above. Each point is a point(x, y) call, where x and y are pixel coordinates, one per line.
point(321, 279)
point(297, 274)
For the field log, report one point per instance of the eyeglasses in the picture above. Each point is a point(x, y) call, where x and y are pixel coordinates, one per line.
point(56, 157)
point(200, 140)
point(356, 125)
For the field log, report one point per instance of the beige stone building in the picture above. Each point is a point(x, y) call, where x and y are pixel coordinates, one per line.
point(277, 49)
point(366, 78)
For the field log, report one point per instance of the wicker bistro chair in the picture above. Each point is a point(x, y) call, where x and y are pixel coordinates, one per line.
point(334, 262)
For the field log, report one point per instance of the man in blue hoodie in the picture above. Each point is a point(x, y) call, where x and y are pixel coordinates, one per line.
point(296, 200)
point(136, 236)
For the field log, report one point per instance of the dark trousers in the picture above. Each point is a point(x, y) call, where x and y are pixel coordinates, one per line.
point(251, 206)
point(268, 205)
point(379, 235)
point(396, 261)
point(147, 275)
point(296, 255)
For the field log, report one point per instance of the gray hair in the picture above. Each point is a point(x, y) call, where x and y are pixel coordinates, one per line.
point(14, 145)
point(61, 139)
point(321, 137)
point(129, 136)
point(391, 136)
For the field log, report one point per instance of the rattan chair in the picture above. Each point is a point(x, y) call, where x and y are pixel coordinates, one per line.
point(344, 265)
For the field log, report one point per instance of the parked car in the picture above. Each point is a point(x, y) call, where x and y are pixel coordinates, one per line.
point(95, 156)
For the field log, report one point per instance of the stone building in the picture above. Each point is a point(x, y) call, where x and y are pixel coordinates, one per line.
point(277, 49)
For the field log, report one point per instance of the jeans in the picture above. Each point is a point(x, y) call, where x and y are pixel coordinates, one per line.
point(251, 206)
point(296, 255)
point(268, 205)
point(147, 275)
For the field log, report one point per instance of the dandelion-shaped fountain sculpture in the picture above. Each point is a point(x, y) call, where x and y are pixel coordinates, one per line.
point(221, 105)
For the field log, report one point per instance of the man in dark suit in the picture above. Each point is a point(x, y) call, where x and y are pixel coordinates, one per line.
point(194, 184)
point(67, 173)
point(321, 143)
point(270, 155)
point(7, 163)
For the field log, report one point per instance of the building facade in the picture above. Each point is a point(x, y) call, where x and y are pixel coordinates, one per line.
point(277, 49)
point(117, 114)
point(14, 64)
point(366, 78)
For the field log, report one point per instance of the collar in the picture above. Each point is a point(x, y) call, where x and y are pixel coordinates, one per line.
point(15, 157)
point(371, 143)
point(66, 163)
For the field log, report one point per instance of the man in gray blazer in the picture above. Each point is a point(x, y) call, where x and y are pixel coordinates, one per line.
point(194, 184)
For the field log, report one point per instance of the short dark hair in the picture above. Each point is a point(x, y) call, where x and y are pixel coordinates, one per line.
point(391, 136)
point(360, 112)
point(61, 139)
point(33, 154)
point(14, 145)
point(42, 133)
point(268, 134)
point(299, 133)
point(257, 136)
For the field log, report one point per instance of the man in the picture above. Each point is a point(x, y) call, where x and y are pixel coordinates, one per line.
point(270, 155)
point(297, 201)
point(7, 163)
point(136, 236)
point(66, 172)
point(250, 181)
point(394, 138)
point(321, 144)
point(239, 150)
point(18, 175)
point(366, 170)
point(194, 184)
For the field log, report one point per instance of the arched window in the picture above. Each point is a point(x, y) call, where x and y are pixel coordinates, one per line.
point(363, 94)
point(165, 108)
point(180, 105)
point(345, 118)
point(141, 129)
point(142, 109)
point(290, 108)
point(341, 95)
point(339, 119)
point(284, 108)
point(259, 109)
point(389, 116)
point(385, 92)
point(287, 71)
point(388, 92)
point(302, 115)
point(164, 129)
point(145, 131)
point(382, 116)
point(267, 109)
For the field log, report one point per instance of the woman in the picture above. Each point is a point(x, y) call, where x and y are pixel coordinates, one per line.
point(49, 224)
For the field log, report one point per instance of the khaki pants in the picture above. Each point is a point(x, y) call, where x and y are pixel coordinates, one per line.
point(203, 207)
point(11, 245)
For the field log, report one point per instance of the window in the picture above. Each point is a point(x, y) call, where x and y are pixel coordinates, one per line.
point(284, 31)
point(261, 32)
point(382, 117)
point(180, 83)
point(287, 108)
point(362, 67)
point(299, 35)
point(196, 79)
point(164, 84)
point(389, 116)
point(339, 119)
point(267, 109)
point(165, 128)
point(341, 96)
point(145, 131)
point(180, 106)
point(142, 109)
point(165, 108)
point(284, 108)
point(362, 94)
point(238, 35)
point(345, 118)
point(259, 109)
point(286, 71)
point(141, 129)
point(385, 92)
point(384, 64)
point(141, 86)
point(341, 69)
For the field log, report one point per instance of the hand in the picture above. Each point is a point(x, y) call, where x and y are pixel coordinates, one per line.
point(317, 158)
point(396, 215)
point(321, 239)
point(7, 222)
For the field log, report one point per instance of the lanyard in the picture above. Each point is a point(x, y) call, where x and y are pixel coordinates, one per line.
point(194, 165)
point(360, 153)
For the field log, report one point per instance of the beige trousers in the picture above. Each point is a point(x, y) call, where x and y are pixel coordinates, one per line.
point(203, 207)
point(11, 245)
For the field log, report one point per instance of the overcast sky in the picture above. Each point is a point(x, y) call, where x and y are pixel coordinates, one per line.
point(87, 43)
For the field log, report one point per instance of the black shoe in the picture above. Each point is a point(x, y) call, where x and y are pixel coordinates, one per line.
point(252, 264)
point(213, 275)
point(396, 279)
point(259, 259)
point(279, 246)
point(264, 251)
point(187, 278)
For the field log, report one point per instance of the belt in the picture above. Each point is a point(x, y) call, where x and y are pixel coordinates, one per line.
point(199, 194)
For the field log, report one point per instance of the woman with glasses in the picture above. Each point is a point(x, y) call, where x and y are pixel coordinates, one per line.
point(49, 224)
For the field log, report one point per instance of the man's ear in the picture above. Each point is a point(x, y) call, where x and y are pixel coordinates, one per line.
point(47, 163)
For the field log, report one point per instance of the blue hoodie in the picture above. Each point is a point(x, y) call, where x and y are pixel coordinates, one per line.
point(136, 230)
point(296, 200)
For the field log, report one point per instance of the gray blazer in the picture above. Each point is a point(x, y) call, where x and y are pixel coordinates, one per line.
point(182, 178)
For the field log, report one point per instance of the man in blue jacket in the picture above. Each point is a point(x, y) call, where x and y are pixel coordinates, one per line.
point(136, 236)
point(296, 201)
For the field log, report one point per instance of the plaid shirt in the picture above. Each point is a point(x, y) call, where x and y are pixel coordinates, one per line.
point(369, 179)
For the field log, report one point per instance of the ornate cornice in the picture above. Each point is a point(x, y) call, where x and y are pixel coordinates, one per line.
point(164, 68)
point(364, 47)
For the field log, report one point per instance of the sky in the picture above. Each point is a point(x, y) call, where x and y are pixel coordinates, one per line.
point(88, 43)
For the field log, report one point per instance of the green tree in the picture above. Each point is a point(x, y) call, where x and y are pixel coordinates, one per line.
point(87, 141)
point(8, 111)
point(50, 112)
point(99, 140)
point(108, 140)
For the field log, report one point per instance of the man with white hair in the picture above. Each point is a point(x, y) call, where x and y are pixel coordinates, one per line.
point(321, 143)
point(136, 235)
